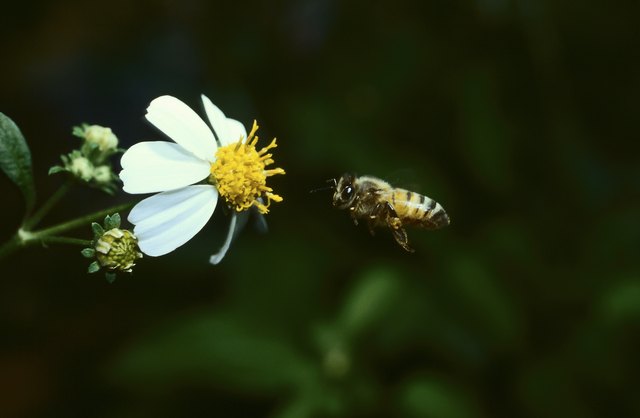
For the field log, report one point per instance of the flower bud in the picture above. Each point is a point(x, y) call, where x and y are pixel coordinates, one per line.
point(103, 174)
point(103, 137)
point(81, 167)
point(117, 249)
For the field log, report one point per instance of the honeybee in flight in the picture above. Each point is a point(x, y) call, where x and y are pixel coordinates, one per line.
point(382, 205)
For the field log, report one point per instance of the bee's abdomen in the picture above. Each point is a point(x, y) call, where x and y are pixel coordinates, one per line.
point(416, 209)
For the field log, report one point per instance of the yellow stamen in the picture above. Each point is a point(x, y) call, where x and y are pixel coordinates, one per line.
point(240, 176)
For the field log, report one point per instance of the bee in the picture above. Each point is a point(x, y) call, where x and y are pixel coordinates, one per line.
point(382, 205)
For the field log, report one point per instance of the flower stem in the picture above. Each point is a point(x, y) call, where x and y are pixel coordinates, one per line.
point(48, 205)
point(24, 238)
point(10, 246)
point(75, 223)
point(66, 240)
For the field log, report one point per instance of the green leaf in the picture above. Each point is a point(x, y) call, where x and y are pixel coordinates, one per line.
point(110, 276)
point(79, 130)
point(88, 252)
point(112, 221)
point(98, 230)
point(56, 169)
point(15, 160)
point(93, 267)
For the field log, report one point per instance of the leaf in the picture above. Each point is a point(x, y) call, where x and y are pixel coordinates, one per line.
point(110, 276)
point(93, 267)
point(56, 169)
point(15, 160)
point(112, 221)
point(98, 230)
point(79, 130)
point(88, 252)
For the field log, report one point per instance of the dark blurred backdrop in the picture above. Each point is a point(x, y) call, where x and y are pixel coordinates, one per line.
point(518, 116)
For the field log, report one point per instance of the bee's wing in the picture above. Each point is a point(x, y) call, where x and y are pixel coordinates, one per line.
point(406, 178)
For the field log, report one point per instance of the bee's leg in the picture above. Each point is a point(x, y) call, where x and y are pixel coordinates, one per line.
point(401, 238)
point(378, 212)
point(399, 233)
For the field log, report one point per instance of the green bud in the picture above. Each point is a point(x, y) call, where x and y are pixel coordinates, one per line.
point(117, 249)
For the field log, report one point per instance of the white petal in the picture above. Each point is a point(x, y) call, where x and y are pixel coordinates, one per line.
point(183, 125)
point(217, 258)
point(235, 131)
point(217, 119)
point(150, 167)
point(165, 221)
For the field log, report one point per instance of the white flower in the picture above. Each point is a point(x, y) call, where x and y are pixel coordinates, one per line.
point(228, 161)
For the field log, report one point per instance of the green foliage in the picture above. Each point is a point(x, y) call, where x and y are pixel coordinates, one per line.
point(373, 295)
point(216, 349)
point(483, 303)
point(622, 302)
point(549, 389)
point(15, 160)
point(435, 398)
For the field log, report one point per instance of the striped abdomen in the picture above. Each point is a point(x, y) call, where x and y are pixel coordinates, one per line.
point(418, 210)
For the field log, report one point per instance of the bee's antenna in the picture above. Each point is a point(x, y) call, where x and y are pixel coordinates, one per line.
point(333, 183)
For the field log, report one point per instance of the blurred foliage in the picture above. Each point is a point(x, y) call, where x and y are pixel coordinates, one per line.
point(519, 117)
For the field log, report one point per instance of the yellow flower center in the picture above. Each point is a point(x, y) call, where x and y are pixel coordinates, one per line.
point(240, 176)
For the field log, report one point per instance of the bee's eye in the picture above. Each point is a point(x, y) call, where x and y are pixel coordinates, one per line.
point(347, 192)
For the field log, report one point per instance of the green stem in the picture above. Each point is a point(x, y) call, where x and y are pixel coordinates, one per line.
point(66, 226)
point(48, 205)
point(66, 240)
point(24, 238)
point(10, 246)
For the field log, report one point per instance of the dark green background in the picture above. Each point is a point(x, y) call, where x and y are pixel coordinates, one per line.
point(518, 116)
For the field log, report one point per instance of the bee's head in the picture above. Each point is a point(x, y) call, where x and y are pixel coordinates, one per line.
point(345, 193)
